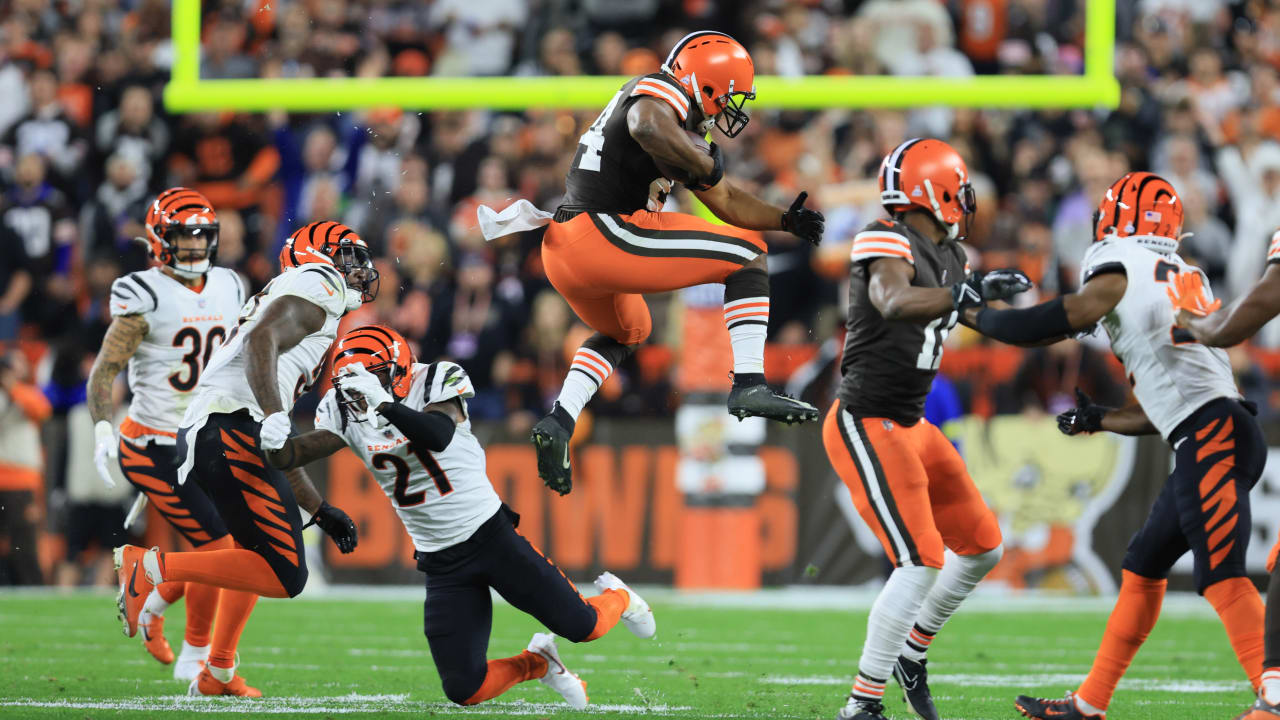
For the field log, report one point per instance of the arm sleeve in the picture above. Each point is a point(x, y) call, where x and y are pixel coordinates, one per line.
point(1041, 322)
point(431, 430)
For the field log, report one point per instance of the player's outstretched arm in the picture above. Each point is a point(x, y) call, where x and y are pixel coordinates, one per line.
point(1243, 319)
point(301, 450)
point(896, 298)
point(432, 428)
point(1056, 319)
point(1131, 420)
point(1089, 417)
point(284, 324)
point(335, 523)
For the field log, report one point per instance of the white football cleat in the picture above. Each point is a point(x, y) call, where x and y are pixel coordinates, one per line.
point(190, 662)
point(571, 687)
point(637, 617)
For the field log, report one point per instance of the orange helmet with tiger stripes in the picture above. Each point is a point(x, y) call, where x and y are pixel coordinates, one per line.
point(383, 352)
point(717, 73)
point(176, 212)
point(337, 245)
point(929, 174)
point(1140, 205)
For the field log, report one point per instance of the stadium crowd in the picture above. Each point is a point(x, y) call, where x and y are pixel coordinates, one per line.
point(85, 144)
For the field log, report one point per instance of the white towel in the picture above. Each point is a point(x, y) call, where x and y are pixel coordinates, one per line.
point(520, 216)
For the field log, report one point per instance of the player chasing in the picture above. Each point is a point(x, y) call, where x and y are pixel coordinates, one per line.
point(909, 282)
point(1245, 317)
point(408, 423)
point(240, 410)
point(166, 322)
point(603, 249)
point(1186, 393)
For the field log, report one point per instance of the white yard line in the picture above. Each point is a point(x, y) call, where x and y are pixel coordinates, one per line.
point(1026, 681)
point(340, 705)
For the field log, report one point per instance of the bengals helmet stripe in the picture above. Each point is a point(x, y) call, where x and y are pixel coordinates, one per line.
point(380, 350)
point(1140, 204)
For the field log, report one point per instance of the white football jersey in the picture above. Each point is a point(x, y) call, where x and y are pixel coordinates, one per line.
point(223, 387)
point(1172, 374)
point(441, 497)
point(184, 328)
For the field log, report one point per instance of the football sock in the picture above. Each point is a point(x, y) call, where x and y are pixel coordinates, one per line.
point(504, 673)
point(746, 315)
point(1239, 607)
point(170, 593)
point(1270, 692)
point(230, 569)
point(202, 600)
point(960, 574)
point(234, 608)
point(892, 617)
point(156, 603)
point(609, 606)
point(592, 365)
point(1271, 640)
point(1135, 613)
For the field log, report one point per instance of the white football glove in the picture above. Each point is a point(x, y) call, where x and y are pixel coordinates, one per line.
point(274, 431)
point(361, 382)
point(105, 448)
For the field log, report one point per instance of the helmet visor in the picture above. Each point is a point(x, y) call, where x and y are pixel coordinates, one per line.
point(191, 243)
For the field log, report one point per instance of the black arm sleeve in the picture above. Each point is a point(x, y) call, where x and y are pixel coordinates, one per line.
point(1041, 322)
point(431, 430)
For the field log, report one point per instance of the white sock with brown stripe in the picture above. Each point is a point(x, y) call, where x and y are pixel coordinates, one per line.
point(892, 616)
point(748, 323)
point(587, 373)
point(960, 574)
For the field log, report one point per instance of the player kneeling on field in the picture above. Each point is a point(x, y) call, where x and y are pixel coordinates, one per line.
point(408, 422)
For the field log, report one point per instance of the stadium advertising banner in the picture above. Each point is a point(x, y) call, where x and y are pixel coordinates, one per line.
point(1067, 507)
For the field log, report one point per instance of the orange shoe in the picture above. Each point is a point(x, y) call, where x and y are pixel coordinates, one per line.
point(135, 585)
point(153, 639)
point(206, 684)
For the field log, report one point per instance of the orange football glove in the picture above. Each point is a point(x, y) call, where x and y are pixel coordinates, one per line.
point(1186, 292)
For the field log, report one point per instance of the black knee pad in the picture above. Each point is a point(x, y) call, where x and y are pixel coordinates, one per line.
point(608, 348)
point(295, 580)
point(460, 687)
point(746, 283)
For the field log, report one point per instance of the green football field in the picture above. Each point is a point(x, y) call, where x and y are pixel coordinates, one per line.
point(357, 653)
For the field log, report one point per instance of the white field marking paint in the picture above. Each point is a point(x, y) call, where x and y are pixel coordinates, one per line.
point(1030, 681)
point(340, 705)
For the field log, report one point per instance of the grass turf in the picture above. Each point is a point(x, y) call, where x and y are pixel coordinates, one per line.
point(62, 655)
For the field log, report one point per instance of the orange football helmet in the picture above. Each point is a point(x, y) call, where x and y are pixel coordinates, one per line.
point(717, 73)
point(181, 211)
point(333, 244)
point(930, 174)
point(383, 352)
point(1140, 205)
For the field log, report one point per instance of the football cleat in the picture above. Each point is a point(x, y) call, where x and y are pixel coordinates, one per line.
point(861, 710)
point(571, 687)
point(637, 617)
point(1260, 710)
point(914, 680)
point(761, 401)
point(550, 440)
point(206, 684)
point(134, 571)
point(152, 627)
point(1042, 709)
point(191, 660)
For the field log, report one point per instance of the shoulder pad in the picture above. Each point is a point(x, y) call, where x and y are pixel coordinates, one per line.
point(882, 238)
point(327, 414)
point(133, 295)
point(665, 88)
point(445, 381)
point(316, 282)
point(1103, 257)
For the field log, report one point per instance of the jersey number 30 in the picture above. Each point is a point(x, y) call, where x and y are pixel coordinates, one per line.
point(935, 334)
point(188, 338)
point(403, 499)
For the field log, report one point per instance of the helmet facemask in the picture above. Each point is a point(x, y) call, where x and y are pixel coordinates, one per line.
point(196, 261)
point(356, 265)
point(353, 406)
point(733, 118)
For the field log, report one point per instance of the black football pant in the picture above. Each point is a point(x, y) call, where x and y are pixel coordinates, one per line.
point(458, 612)
point(254, 499)
point(153, 469)
point(1219, 453)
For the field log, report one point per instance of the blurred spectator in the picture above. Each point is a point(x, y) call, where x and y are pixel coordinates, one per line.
point(134, 130)
point(47, 131)
point(223, 59)
point(228, 160)
point(479, 35)
point(40, 215)
point(113, 218)
point(22, 409)
point(379, 165)
point(15, 281)
point(557, 55)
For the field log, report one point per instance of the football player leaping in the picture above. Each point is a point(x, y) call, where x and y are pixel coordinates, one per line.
point(240, 411)
point(408, 423)
point(1242, 320)
point(1187, 394)
point(604, 249)
point(166, 322)
point(909, 281)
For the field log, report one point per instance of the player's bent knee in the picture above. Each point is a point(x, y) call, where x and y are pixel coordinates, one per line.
point(294, 582)
point(984, 562)
point(461, 688)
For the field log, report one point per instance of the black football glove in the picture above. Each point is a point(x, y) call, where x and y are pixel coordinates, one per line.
point(803, 222)
point(980, 287)
point(337, 525)
point(1085, 417)
point(717, 171)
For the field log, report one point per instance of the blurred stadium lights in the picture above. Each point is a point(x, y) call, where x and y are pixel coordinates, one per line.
point(186, 92)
